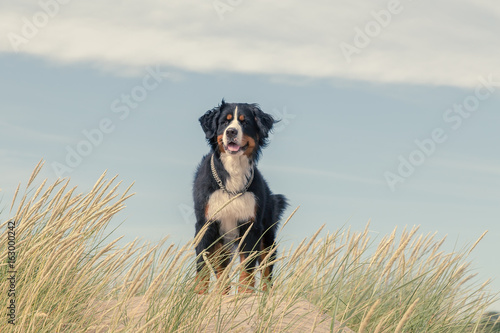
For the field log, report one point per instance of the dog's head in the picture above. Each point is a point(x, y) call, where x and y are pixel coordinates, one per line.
point(237, 128)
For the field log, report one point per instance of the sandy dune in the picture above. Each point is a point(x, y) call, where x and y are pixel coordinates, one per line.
point(300, 316)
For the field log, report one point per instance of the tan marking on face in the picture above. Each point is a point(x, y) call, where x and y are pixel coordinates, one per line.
point(229, 117)
point(221, 144)
point(251, 145)
point(242, 118)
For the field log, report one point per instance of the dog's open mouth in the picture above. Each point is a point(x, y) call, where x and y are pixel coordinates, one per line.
point(234, 148)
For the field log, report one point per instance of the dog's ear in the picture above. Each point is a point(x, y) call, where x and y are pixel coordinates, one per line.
point(264, 121)
point(209, 122)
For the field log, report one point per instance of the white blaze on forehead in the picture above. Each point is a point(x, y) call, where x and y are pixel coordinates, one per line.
point(235, 122)
point(236, 125)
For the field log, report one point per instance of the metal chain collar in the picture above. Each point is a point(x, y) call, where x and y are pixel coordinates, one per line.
point(221, 185)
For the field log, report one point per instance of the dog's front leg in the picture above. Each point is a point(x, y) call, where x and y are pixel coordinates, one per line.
point(247, 276)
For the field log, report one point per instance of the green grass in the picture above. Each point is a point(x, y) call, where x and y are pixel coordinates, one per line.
point(72, 277)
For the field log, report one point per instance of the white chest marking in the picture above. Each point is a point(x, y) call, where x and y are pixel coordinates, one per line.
point(241, 209)
point(239, 169)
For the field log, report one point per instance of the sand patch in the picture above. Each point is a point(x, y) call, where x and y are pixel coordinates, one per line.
point(239, 314)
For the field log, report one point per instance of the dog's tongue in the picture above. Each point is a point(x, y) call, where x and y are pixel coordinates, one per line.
point(233, 147)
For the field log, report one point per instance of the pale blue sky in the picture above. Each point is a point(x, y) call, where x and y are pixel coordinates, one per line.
point(346, 122)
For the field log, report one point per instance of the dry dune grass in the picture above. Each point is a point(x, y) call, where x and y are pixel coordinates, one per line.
point(72, 278)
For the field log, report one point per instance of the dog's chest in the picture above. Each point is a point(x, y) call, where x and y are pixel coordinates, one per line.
point(230, 215)
point(239, 170)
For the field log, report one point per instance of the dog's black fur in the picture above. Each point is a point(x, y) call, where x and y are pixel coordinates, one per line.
point(255, 126)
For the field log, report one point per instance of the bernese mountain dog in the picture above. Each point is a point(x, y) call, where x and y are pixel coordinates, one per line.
point(232, 199)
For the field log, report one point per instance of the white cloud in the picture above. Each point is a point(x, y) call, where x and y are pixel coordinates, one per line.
point(484, 168)
point(444, 43)
point(29, 134)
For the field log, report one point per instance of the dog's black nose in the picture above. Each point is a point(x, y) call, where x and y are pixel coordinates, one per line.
point(231, 132)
